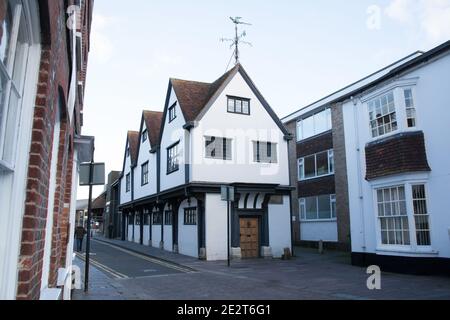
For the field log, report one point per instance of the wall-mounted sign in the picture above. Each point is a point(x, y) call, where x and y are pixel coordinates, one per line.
point(98, 176)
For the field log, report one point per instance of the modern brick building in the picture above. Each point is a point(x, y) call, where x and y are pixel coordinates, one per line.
point(44, 47)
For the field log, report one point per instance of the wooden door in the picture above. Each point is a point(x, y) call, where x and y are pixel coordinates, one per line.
point(249, 237)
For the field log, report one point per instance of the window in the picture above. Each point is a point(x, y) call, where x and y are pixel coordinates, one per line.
point(173, 112)
point(393, 216)
point(168, 216)
point(128, 183)
point(238, 105)
point(218, 148)
point(14, 44)
point(131, 219)
point(138, 219)
point(144, 135)
point(421, 216)
point(314, 125)
point(265, 152)
point(190, 216)
point(173, 162)
point(144, 174)
point(146, 217)
point(157, 218)
point(410, 108)
point(128, 152)
point(318, 208)
point(317, 165)
point(382, 115)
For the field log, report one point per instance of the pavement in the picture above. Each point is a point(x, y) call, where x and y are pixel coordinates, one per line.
point(129, 271)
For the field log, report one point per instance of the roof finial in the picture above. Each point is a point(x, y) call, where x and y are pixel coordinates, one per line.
point(237, 39)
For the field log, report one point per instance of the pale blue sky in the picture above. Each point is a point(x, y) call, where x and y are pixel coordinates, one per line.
point(302, 51)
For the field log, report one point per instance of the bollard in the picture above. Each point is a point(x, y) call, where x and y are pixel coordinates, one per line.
point(321, 247)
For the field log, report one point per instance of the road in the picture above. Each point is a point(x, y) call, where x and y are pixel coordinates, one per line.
point(122, 274)
point(120, 263)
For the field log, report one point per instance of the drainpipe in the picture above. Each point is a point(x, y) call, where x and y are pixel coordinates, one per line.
point(360, 177)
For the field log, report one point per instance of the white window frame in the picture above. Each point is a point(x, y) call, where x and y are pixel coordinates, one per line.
point(301, 165)
point(173, 158)
point(144, 174)
point(13, 182)
point(11, 87)
point(398, 88)
point(299, 127)
point(302, 209)
point(257, 152)
point(413, 248)
point(225, 156)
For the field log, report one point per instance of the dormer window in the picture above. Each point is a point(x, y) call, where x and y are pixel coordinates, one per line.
point(144, 135)
point(173, 112)
point(238, 105)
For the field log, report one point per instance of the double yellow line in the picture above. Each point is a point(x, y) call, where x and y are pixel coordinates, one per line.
point(146, 258)
point(104, 268)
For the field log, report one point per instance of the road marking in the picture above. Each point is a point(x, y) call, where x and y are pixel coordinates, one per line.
point(153, 260)
point(103, 267)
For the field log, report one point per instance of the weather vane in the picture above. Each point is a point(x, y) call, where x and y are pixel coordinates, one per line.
point(238, 39)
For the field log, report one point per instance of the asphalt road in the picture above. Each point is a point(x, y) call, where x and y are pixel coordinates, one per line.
point(120, 263)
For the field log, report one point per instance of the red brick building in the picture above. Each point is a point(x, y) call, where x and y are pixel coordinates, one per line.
point(44, 47)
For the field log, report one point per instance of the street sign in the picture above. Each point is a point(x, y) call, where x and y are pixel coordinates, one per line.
point(98, 175)
point(227, 193)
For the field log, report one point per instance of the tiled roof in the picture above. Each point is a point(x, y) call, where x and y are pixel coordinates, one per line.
point(193, 96)
point(100, 202)
point(133, 141)
point(153, 121)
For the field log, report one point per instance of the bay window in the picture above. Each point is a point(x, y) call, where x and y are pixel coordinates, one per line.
point(392, 111)
point(403, 215)
point(382, 115)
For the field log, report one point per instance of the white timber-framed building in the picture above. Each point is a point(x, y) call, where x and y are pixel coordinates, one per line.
point(209, 135)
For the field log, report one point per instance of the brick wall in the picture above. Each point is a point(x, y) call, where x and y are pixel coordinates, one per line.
point(293, 171)
point(53, 83)
point(340, 178)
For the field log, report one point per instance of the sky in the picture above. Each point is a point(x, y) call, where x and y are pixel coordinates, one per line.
point(301, 51)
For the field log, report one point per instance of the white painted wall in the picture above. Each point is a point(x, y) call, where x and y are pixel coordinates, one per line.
point(243, 129)
point(319, 230)
point(137, 234)
point(433, 116)
point(187, 235)
point(280, 227)
point(130, 232)
point(146, 235)
point(144, 155)
point(125, 196)
point(168, 243)
point(156, 235)
point(173, 132)
point(215, 227)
